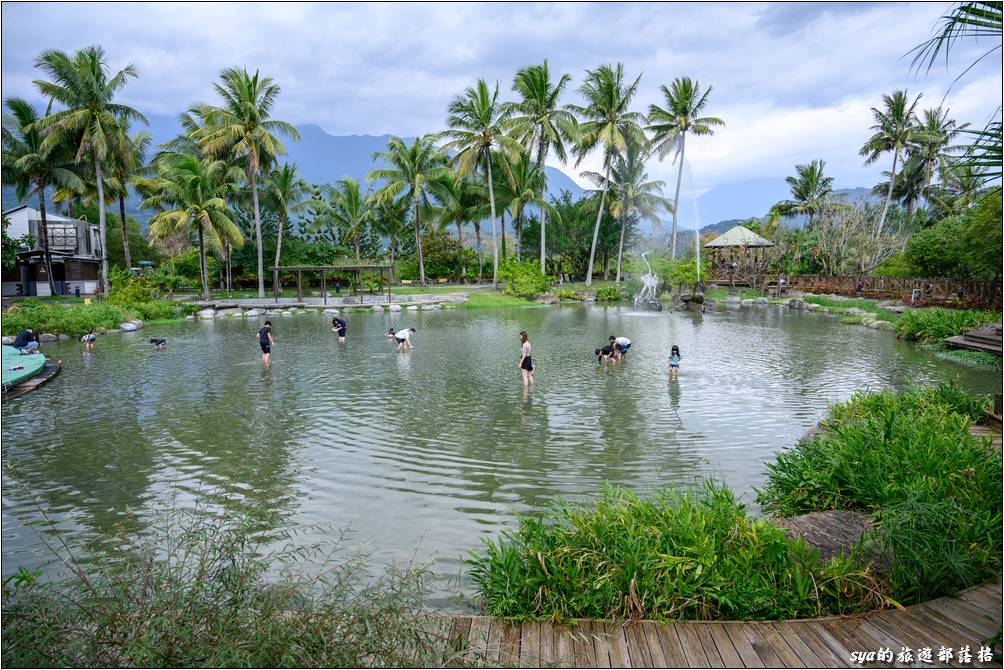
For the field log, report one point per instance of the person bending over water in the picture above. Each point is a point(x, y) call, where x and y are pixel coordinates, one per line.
point(674, 362)
point(620, 345)
point(605, 354)
point(26, 342)
point(339, 325)
point(158, 343)
point(525, 362)
point(265, 340)
point(88, 340)
point(403, 338)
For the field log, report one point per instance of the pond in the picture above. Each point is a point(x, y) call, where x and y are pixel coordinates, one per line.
point(427, 451)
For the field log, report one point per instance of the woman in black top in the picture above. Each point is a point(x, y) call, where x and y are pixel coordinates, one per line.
point(339, 325)
point(266, 341)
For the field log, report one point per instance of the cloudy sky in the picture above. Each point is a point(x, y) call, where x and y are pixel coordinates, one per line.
point(792, 81)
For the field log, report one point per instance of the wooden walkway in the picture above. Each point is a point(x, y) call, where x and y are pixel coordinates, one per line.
point(972, 618)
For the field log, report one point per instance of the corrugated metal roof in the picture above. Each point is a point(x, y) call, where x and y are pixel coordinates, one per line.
point(739, 236)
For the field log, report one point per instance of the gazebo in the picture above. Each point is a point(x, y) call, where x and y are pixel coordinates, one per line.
point(738, 253)
point(356, 271)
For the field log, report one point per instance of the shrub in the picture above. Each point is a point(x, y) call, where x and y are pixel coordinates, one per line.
point(934, 325)
point(523, 279)
point(196, 592)
point(126, 287)
point(675, 556)
point(933, 489)
point(608, 293)
point(77, 319)
point(939, 251)
point(567, 294)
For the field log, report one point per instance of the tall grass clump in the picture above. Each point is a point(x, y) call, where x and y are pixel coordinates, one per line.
point(675, 556)
point(935, 325)
point(205, 592)
point(77, 318)
point(933, 490)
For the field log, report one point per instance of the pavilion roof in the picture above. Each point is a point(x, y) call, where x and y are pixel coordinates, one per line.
point(739, 236)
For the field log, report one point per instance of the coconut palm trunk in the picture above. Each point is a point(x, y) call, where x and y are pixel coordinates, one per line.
point(278, 247)
point(543, 212)
point(125, 234)
point(257, 235)
point(202, 263)
point(620, 247)
point(503, 233)
point(102, 230)
point(888, 195)
point(44, 234)
point(355, 240)
point(418, 243)
point(460, 238)
point(676, 199)
point(596, 228)
point(495, 245)
point(477, 243)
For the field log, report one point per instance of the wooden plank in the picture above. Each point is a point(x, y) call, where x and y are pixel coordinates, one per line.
point(849, 633)
point(548, 645)
point(805, 654)
point(619, 655)
point(458, 641)
point(529, 645)
point(637, 646)
point(742, 644)
point(710, 647)
point(828, 648)
point(568, 656)
point(913, 637)
point(601, 644)
point(958, 611)
point(671, 645)
point(509, 653)
point(771, 638)
point(983, 599)
point(937, 622)
point(726, 650)
point(693, 650)
point(654, 645)
point(478, 641)
point(494, 646)
point(764, 649)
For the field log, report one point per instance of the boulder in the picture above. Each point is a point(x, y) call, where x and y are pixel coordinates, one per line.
point(549, 299)
point(586, 296)
point(433, 306)
point(206, 313)
point(137, 323)
point(748, 302)
point(879, 324)
point(101, 331)
point(128, 326)
point(62, 337)
point(190, 318)
point(286, 312)
point(732, 298)
point(811, 307)
point(331, 310)
point(377, 308)
point(760, 301)
point(7, 339)
point(412, 308)
point(795, 303)
point(394, 308)
point(252, 312)
point(229, 311)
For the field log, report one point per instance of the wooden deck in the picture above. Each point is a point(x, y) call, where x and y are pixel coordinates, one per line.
point(971, 618)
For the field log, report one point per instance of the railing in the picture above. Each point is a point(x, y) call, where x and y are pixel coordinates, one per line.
point(922, 291)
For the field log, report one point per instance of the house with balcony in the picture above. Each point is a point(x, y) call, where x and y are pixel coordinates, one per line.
point(74, 250)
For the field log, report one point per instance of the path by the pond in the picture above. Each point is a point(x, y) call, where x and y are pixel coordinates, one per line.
point(970, 619)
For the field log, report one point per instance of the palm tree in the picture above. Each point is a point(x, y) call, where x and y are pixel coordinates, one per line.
point(477, 123)
point(605, 121)
point(669, 126)
point(84, 85)
point(390, 218)
point(31, 170)
point(126, 164)
point(540, 122)
point(191, 194)
point(810, 191)
point(289, 194)
point(933, 143)
point(350, 210)
point(525, 178)
point(411, 174)
point(634, 196)
point(242, 129)
point(895, 129)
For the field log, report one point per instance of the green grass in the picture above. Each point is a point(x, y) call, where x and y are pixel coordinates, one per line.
point(935, 325)
point(838, 306)
point(77, 319)
point(201, 590)
point(675, 556)
point(719, 293)
point(908, 460)
point(981, 360)
point(492, 298)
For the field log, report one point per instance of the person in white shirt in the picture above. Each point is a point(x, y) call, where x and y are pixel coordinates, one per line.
point(403, 338)
point(620, 345)
point(525, 362)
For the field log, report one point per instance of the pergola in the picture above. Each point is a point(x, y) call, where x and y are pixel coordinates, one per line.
point(738, 250)
point(356, 270)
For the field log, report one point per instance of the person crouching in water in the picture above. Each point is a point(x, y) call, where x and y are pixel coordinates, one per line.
point(525, 362)
point(403, 338)
point(620, 345)
point(339, 325)
point(605, 354)
point(88, 340)
point(159, 343)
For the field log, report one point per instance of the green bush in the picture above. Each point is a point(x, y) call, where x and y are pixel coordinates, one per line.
point(675, 556)
point(934, 325)
point(78, 318)
point(909, 460)
point(524, 280)
point(609, 293)
point(567, 294)
point(939, 251)
point(126, 287)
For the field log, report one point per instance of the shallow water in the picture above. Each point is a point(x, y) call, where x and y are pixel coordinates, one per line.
point(423, 452)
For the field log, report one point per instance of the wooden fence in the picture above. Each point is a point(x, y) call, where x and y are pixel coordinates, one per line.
point(931, 291)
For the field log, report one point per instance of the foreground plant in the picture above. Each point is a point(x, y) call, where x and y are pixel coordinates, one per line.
point(675, 556)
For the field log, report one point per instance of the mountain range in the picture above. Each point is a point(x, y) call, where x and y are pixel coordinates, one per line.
point(325, 158)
